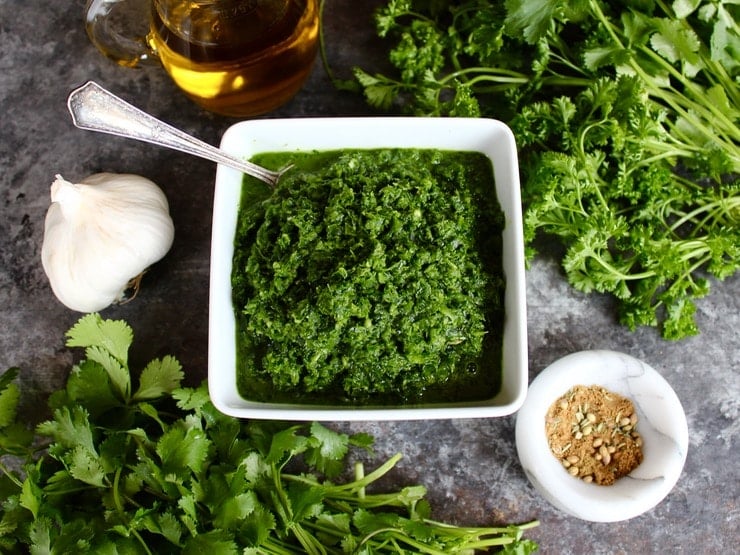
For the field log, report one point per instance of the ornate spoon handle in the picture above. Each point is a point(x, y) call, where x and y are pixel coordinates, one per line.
point(95, 109)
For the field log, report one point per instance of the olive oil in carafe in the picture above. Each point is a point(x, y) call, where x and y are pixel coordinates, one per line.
point(237, 58)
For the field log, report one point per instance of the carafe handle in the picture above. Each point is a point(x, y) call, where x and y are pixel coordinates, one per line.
point(119, 29)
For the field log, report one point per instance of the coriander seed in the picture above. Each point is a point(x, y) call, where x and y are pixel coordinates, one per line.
point(598, 430)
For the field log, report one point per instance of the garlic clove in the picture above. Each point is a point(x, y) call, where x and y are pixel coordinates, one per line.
point(101, 233)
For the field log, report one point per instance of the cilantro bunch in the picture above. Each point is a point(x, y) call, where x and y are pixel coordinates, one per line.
point(152, 467)
point(626, 115)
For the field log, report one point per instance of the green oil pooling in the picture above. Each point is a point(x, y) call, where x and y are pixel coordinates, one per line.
point(370, 277)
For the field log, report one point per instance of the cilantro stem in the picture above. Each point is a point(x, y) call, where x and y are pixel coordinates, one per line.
point(354, 486)
point(11, 475)
point(399, 534)
point(716, 72)
point(488, 530)
point(136, 534)
point(721, 125)
point(376, 474)
point(121, 510)
point(359, 475)
point(274, 546)
point(322, 47)
point(463, 538)
point(116, 494)
point(308, 541)
point(565, 61)
point(284, 509)
point(370, 501)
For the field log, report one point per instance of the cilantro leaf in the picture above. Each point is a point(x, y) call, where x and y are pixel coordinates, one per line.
point(159, 377)
point(531, 19)
point(31, 495)
point(85, 466)
point(214, 542)
point(118, 374)
point(40, 535)
point(9, 396)
point(183, 449)
point(113, 336)
point(89, 384)
point(69, 428)
point(286, 444)
point(191, 399)
point(362, 439)
point(232, 511)
point(675, 42)
point(181, 477)
point(332, 445)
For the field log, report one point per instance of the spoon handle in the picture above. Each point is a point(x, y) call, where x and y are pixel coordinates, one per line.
point(95, 109)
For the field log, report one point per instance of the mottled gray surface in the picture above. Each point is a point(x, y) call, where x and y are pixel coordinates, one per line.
point(470, 466)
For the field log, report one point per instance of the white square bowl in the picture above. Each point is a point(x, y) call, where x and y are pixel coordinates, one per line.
point(245, 139)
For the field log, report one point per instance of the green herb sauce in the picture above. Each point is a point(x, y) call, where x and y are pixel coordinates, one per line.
point(370, 277)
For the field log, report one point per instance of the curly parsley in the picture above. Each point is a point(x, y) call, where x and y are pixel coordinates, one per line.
point(626, 115)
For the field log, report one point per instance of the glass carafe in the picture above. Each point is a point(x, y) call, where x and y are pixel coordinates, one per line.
point(233, 57)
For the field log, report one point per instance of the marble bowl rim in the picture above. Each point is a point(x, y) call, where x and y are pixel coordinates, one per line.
point(632, 495)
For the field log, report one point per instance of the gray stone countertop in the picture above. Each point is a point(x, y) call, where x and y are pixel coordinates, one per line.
point(469, 466)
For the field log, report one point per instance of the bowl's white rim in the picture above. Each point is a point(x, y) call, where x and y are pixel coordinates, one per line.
point(478, 134)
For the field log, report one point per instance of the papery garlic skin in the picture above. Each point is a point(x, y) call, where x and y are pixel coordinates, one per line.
point(101, 233)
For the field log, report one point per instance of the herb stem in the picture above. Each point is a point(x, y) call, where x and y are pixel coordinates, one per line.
point(368, 479)
point(10, 475)
point(663, 151)
point(322, 46)
point(492, 73)
point(116, 494)
point(721, 125)
point(716, 72)
point(359, 475)
point(618, 273)
point(725, 204)
point(136, 534)
point(399, 534)
point(676, 101)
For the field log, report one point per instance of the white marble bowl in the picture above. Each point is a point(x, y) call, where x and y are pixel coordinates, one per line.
point(662, 424)
point(247, 138)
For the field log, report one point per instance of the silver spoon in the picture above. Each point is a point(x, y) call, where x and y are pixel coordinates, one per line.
point(95, 109)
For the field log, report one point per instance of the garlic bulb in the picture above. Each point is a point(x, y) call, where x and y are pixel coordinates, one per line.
point(100, 234)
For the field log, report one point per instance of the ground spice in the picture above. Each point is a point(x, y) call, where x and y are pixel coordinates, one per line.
point(592, 431)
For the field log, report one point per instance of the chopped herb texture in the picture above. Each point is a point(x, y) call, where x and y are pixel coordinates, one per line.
point(148, 466)
point(627, 119)
point(370, 275)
